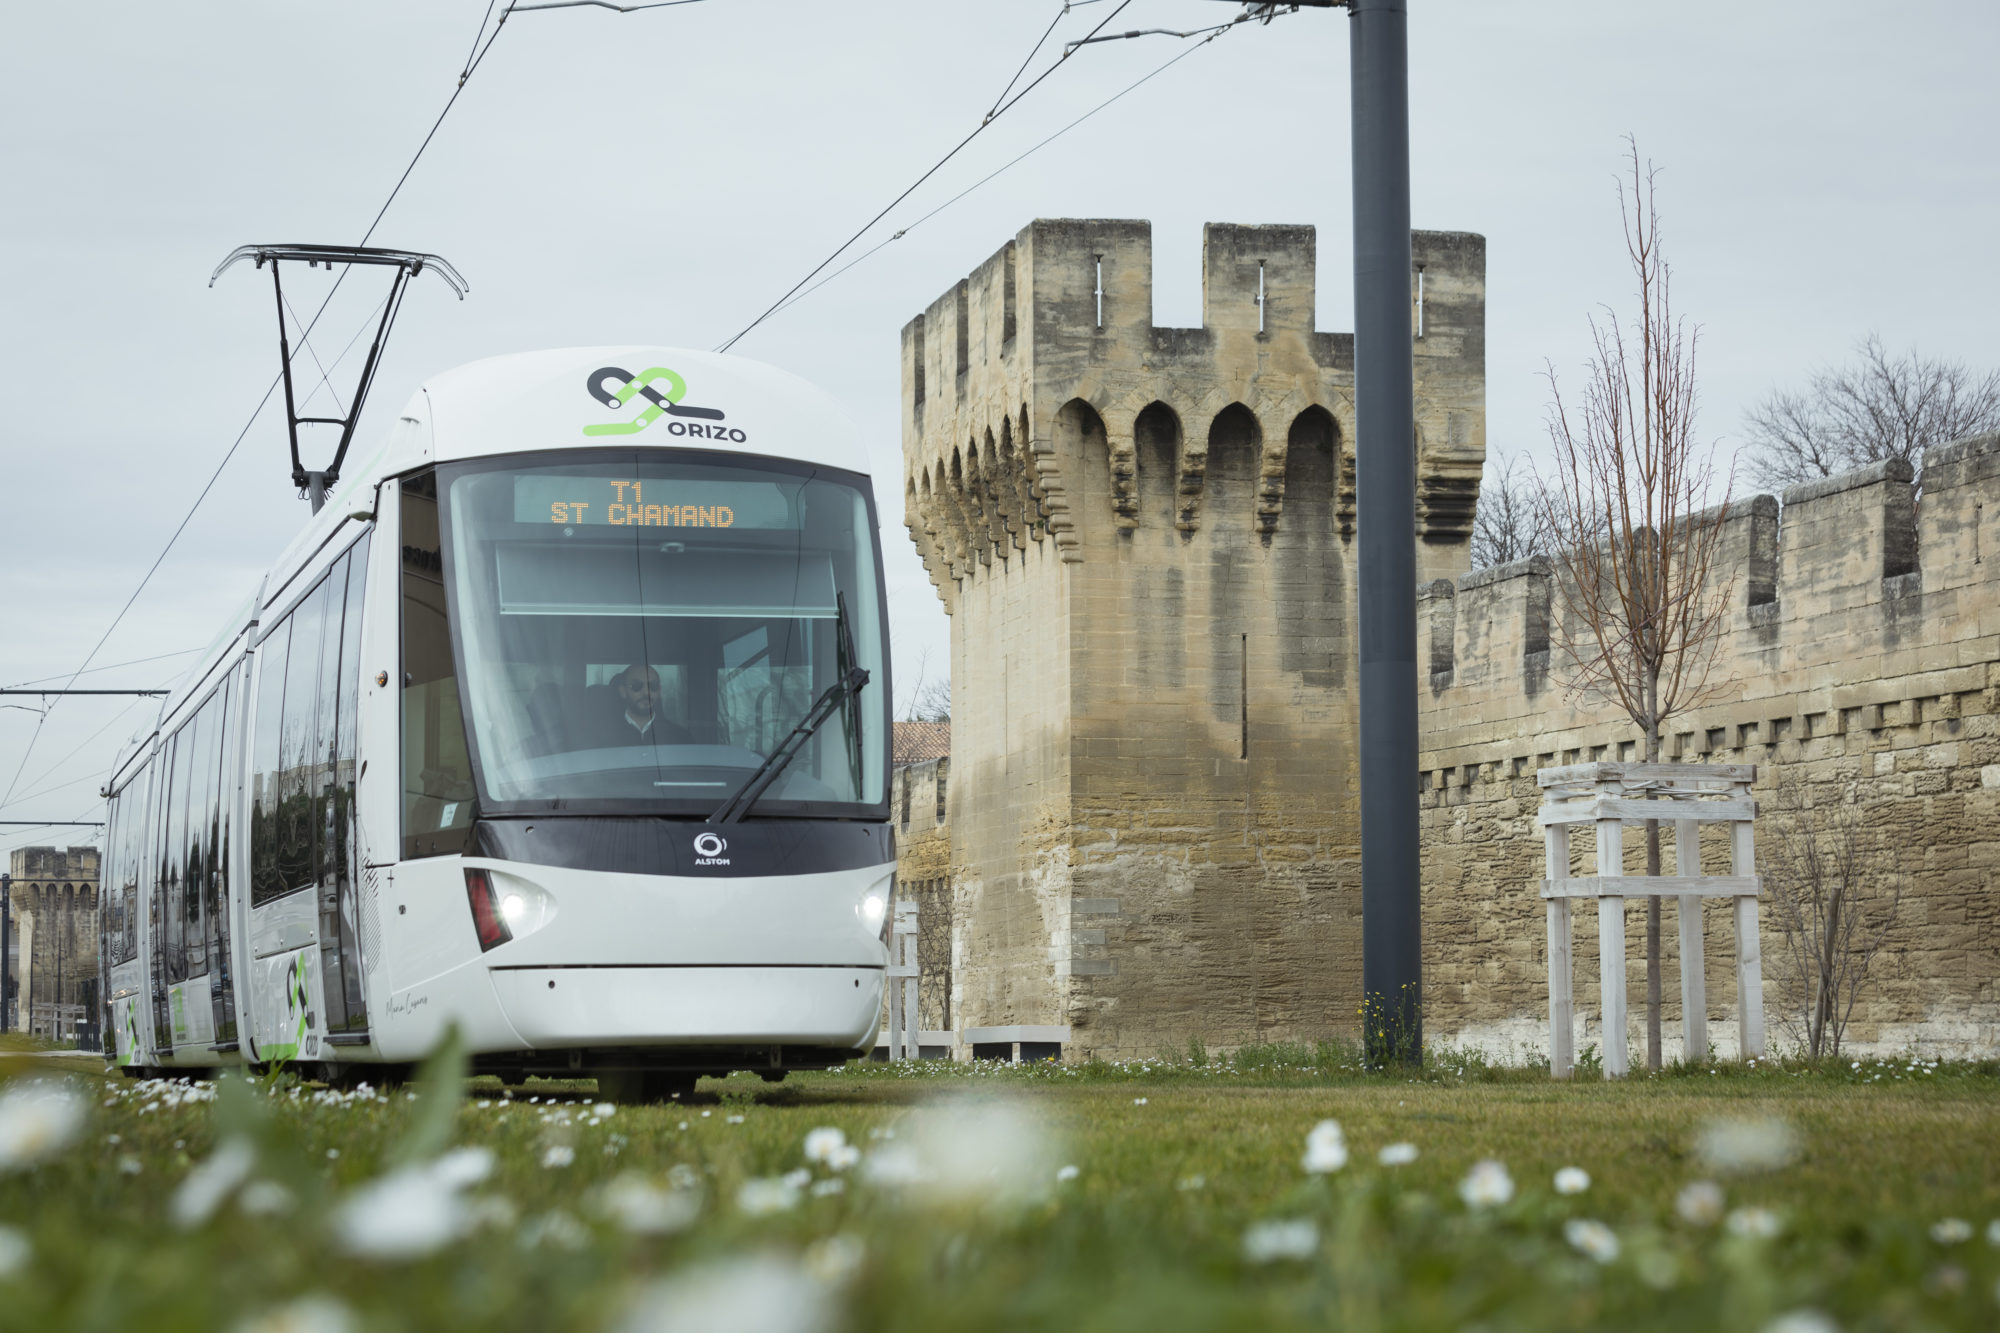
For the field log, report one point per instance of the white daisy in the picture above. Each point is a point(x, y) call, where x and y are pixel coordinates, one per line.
point(38, 1119)
point(1487, 1185)
point(1326, 1149)
point(1266, 1242)
point(1591, 1239)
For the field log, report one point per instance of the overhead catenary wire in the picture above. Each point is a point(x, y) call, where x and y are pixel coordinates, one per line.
point(1005, 167)
point(1027, 60)
point(598, 4)
point(326, 375)
point(56, 767)
point(31, 837)
point(912, 188)
point(471, 66)
point(109, 666)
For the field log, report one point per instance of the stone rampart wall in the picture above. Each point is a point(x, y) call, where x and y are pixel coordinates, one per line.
point(1861, 662)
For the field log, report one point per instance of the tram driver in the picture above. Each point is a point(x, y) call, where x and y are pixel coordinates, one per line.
point(638, 720)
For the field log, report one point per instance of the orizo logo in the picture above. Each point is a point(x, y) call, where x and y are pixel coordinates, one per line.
point(660, 402)
point(709, 849)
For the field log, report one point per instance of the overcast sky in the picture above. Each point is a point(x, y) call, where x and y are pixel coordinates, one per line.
point(1828, 170)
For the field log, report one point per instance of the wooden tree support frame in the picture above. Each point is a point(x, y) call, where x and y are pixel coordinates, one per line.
point(902, 983)
point(1610, 796)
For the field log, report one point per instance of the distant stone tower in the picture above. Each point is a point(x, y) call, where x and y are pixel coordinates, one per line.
point(1144, 538)
point(53, 901)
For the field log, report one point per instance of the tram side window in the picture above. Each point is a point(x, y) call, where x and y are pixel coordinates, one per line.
point(216, 830)
point(345, 865)
point(173, 858)
point(131, 831)
point(266, 749)
point(115, 901)
point(327, 805)
point(202, 792)
point(299, 760)
point(437, 771)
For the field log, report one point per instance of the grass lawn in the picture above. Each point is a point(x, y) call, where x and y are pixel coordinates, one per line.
point(949, 1201)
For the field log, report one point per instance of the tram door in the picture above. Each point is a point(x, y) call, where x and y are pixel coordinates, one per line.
point(218, 899)
point(338, 860)
point(306, 983)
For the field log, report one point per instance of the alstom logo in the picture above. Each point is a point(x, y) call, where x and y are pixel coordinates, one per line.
point(709, 849)
point(663, 391)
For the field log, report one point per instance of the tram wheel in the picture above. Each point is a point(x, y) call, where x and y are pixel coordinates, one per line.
point(643, 1087)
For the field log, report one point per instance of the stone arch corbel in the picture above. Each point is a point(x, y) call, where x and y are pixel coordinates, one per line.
point(1313, 419)
point(1123, 447)
point(947, 521)
point(1275, 418)
point(1196, 451)
point(965, 509)
point(1013, 467)
point(994, 497)
point(919, 518)
point(1065, 452)
point(1196, 426)
point(1051, 488)
point(1341, 408)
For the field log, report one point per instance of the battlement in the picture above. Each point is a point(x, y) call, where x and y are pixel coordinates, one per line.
point(1848, 599)
point(1048, 351)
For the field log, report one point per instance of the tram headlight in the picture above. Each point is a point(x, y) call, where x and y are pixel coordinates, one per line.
point(505, 906)
point(489, 918)
point(873, 909)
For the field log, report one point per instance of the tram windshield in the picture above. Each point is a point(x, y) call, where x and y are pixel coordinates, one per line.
point(637, 632)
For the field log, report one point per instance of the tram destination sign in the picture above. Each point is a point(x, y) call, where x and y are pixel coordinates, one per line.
point(657, 502)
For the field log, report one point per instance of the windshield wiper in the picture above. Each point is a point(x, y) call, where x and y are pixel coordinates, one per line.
point(836, 695)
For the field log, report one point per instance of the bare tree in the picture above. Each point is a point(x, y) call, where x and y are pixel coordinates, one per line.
point(933, 702)
point(929, 697)
point(1878, 407)
point(1834, 904)
point(1511, 521)
point(1632, 495)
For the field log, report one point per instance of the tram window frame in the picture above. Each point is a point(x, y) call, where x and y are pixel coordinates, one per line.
point(346, 773)
point(266, 755)
point(215, 847)
point(339, 699)
point(173, 860)
point(439, 801)
point(222, 988)
point(132, 854)
point(298, 814)
point(208, 723)
point(304, 705)
point(117, 812)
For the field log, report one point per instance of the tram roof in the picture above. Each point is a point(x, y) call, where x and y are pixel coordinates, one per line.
point(533, 401)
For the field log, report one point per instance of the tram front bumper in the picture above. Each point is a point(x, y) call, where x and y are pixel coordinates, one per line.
point(636, 1005)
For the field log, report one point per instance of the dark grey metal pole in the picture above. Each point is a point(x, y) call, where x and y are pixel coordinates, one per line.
point(1386, 504)
point(6, 949)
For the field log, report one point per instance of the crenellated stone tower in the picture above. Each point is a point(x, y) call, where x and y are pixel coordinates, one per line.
point(53, 964)
point(1144, 538)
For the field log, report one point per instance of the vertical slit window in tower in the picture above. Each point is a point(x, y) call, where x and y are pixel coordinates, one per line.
point(1420, 301)
point(1978, 521)
point(1007, 297)
point(1098, 294)
point(1260, 296)
point(964, 331)
point(1243, 695)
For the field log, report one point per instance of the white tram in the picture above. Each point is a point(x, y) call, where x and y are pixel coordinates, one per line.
point(566, 720)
